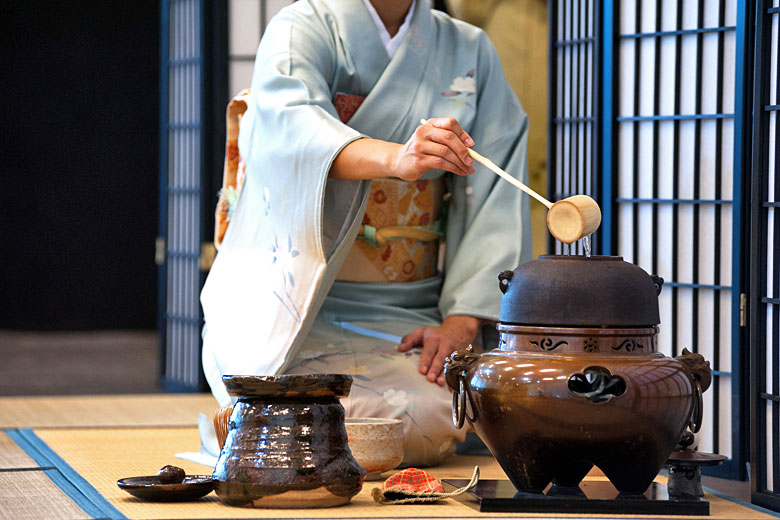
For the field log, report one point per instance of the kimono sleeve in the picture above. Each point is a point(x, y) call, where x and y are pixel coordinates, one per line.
point(293, 127)
point(266, 285)
point(488, 227)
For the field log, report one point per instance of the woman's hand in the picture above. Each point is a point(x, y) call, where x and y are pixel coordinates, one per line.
point(440, 143)
point(455, 332)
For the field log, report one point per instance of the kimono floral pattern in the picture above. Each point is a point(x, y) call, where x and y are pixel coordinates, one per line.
point(461, 88)
point(283, 258)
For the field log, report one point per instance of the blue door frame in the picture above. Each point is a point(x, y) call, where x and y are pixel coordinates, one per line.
point(764, 243)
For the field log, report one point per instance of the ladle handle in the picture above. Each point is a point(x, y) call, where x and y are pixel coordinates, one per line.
point(501, 173)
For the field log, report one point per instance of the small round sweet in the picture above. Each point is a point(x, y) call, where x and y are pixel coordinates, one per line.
point(171, 475)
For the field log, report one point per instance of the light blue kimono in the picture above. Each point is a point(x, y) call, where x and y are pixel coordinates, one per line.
point(270, 302)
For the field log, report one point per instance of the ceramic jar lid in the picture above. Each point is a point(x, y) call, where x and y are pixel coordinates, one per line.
point(289, 386)
point(579, 291)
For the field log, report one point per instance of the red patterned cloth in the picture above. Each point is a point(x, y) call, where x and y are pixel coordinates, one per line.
point(413, 480)
point(413, 485)
point(346, 105)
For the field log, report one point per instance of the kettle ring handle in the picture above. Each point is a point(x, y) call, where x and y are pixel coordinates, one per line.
point(658, 282)
point(504, 277)
point(697, 414)
point(460, 402)
point(456, 368)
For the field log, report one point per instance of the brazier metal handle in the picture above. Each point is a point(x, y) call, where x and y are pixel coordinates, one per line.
point(697, 414)
point(459, 405)
point(456, 368)
point(700, 373)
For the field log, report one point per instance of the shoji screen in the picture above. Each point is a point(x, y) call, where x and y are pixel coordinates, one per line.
point(643, 119)
point(181, 172)
point(673, 176)
point(573, 140)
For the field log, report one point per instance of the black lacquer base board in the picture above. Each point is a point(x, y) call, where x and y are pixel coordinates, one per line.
point(500, 496)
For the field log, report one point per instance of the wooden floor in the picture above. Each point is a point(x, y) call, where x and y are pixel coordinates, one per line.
point(120, 362)
point(78, 363)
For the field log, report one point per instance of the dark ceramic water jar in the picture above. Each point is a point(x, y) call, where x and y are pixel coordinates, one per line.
point(286, 445)
point(576, 380)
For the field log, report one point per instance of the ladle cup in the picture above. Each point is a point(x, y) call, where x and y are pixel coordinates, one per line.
point(568, 219)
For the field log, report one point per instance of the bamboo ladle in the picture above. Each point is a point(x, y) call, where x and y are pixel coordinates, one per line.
point(568, 219)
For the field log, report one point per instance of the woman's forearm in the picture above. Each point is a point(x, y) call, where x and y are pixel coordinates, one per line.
point(463, 327)
point(437, 144)
point(364, 159)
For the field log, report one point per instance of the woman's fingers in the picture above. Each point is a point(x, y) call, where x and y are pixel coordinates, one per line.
point(437, 363)
point(437, 162)
point(446, 143)
point(451, 124)
point(446, 139)
point(429, 351)
point(430, 365)
point(437, 144)
point(412, 340)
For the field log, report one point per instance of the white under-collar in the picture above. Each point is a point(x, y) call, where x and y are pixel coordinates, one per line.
point(391, 44)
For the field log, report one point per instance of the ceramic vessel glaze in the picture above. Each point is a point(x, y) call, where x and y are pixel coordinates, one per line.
point(554, 400)
point(286, 445)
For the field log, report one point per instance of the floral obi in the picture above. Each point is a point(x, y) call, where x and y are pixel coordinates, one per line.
point(399, 238)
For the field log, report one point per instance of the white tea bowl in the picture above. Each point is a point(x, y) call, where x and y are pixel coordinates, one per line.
point(376, 444)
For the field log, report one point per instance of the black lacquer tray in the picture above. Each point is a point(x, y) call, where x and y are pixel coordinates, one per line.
point(500, 496)
point(151, 488)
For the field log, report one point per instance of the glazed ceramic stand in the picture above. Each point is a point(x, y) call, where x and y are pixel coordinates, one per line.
point(286, 444)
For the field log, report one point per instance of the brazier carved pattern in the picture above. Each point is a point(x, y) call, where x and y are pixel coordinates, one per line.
point(591, 345)
point(629, 345)
point(571, 340)
point(548, 344)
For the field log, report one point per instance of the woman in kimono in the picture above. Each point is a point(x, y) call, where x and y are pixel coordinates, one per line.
point(363, 242)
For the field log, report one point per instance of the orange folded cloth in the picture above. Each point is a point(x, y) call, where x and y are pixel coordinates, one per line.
point(414, 485)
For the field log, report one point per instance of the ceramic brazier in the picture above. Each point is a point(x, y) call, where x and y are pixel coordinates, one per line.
point(576, 380)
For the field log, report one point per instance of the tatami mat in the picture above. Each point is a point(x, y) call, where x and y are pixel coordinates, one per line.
point(12, 456)
point(105, 438)
point(102, 456)
point(32, 495)
point(105, 410)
